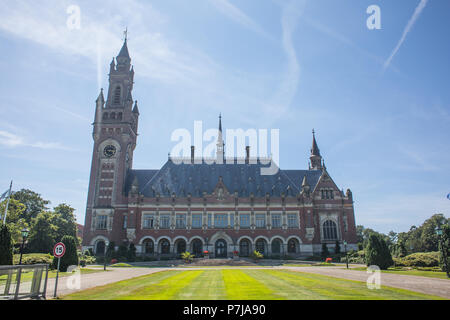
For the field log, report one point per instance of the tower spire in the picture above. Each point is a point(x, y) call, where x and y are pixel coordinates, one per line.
point(220, 144)
point(315, 157)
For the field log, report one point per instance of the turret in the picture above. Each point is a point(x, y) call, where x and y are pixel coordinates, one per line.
point(315, 158)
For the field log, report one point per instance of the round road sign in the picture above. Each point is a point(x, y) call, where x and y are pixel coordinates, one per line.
point(59, 250)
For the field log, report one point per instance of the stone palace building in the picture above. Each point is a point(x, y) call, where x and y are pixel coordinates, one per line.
point(223, 207)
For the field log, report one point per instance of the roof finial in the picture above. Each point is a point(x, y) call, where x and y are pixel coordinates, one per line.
point(125, 34)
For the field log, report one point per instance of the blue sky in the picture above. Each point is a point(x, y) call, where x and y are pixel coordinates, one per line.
point(382, 123)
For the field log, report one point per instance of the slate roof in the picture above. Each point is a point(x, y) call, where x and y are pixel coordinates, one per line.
point(186, 178)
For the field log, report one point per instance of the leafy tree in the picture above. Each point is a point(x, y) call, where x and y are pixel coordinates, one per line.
point(64, 220)
point(42, 233)
point(34, 203)
point(377, 252)
point(444, 248)
point(6, 246)
point(15, 218)
point(70, 258)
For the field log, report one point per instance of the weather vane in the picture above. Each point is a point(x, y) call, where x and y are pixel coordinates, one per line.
point(125, 34)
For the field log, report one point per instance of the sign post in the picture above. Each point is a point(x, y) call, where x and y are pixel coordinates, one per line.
point(58, 251)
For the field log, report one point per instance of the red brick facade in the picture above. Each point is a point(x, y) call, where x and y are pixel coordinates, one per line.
point(304, 209)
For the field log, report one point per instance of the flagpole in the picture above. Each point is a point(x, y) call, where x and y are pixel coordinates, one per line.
point(7, 203)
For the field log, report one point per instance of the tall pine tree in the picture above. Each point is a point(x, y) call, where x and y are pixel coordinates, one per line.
point(6, 247)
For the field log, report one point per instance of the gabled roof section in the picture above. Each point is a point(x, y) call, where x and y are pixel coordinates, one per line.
point(195, 179)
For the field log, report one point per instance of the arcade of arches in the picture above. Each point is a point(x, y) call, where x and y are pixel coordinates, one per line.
point(220, 248)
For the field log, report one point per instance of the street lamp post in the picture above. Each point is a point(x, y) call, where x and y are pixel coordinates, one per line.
point(106, 254)
point(346, 256)
point(443, 250)
point(24, 238)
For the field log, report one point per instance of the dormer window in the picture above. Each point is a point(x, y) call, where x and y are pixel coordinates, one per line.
point(327, 194)
point(117, 95)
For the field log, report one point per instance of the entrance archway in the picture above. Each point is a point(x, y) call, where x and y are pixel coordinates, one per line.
point(221, 249)
point(100, 248)
point(244, 248)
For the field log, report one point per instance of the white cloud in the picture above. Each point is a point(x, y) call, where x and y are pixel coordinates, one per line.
point(12, 140)
point(407, 29)
point(238, 16)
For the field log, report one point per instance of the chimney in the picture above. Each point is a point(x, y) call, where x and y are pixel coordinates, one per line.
point(192, 154)
point(247, 154)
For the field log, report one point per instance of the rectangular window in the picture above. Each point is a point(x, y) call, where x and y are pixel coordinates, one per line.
point(148, 221)
point(232, 220)
point(220, 221)
point(209, 220)
point(124, 225)
point(292, 221)
point(196, 221)
point(164, 221)
point(276, 220)
point(102, 222)
point(245, 220)
point(260, 220)
point(181, 221)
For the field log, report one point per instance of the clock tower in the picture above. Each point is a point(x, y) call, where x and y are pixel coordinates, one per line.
point(114, 133)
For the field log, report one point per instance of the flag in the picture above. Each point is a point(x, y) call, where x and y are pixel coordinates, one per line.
point(4, 195)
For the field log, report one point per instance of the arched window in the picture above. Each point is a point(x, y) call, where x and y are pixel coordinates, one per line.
point(244, 248)
point(119, 116)
point(329, 230)
point(261, 246)
point(105, 116)
point(181, 246)
point(149, 247)
point(113, 115)
point(276, 246)
point(165, 246)
point(117, 94)
point(292, 246)
point(197, 247)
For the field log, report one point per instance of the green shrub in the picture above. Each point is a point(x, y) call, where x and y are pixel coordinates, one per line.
point(6, 246)
point(34, 258)
point(377, 252)
point(70, 258)
point(121, 265)
point(256, 255)
point(419, 259)
point(187, 257)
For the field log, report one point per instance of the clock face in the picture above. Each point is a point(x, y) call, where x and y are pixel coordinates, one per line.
point(109, 151)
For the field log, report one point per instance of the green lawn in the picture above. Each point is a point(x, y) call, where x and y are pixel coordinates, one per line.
point(430, 274)
point(234, 284)
point(28, 276)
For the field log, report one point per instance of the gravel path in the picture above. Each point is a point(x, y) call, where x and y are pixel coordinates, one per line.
point(438, 287)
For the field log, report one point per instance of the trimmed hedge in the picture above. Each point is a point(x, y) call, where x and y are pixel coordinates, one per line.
point(419, 259)
point(34, 258)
